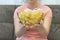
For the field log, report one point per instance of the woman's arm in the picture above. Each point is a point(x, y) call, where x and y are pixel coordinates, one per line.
point(19, 27)
point(45, 26)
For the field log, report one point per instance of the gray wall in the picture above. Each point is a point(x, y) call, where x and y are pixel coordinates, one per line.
point(6, 22)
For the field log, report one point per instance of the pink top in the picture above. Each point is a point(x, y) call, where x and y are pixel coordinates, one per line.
point(34, 34)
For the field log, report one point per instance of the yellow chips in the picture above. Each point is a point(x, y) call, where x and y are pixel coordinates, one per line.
point(30, 18)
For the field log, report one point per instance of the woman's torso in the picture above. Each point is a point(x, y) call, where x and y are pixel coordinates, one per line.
point(32, 34)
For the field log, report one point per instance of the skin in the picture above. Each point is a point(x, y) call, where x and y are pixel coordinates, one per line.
point(32, 3)
point(20, 28)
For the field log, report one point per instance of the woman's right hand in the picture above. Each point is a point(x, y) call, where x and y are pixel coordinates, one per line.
point(27, 27)
point(20, 28)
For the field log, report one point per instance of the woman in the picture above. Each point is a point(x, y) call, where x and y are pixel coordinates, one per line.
point(38, 31)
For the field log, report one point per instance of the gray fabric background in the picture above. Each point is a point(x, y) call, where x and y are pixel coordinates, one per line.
point(7, 27)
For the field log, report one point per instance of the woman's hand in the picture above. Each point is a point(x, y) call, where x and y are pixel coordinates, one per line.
point(20, 28)
point(27, 27)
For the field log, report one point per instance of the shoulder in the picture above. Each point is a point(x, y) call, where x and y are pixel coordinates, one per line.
point(20, 8)
point(46, 8)
point(48, 11)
